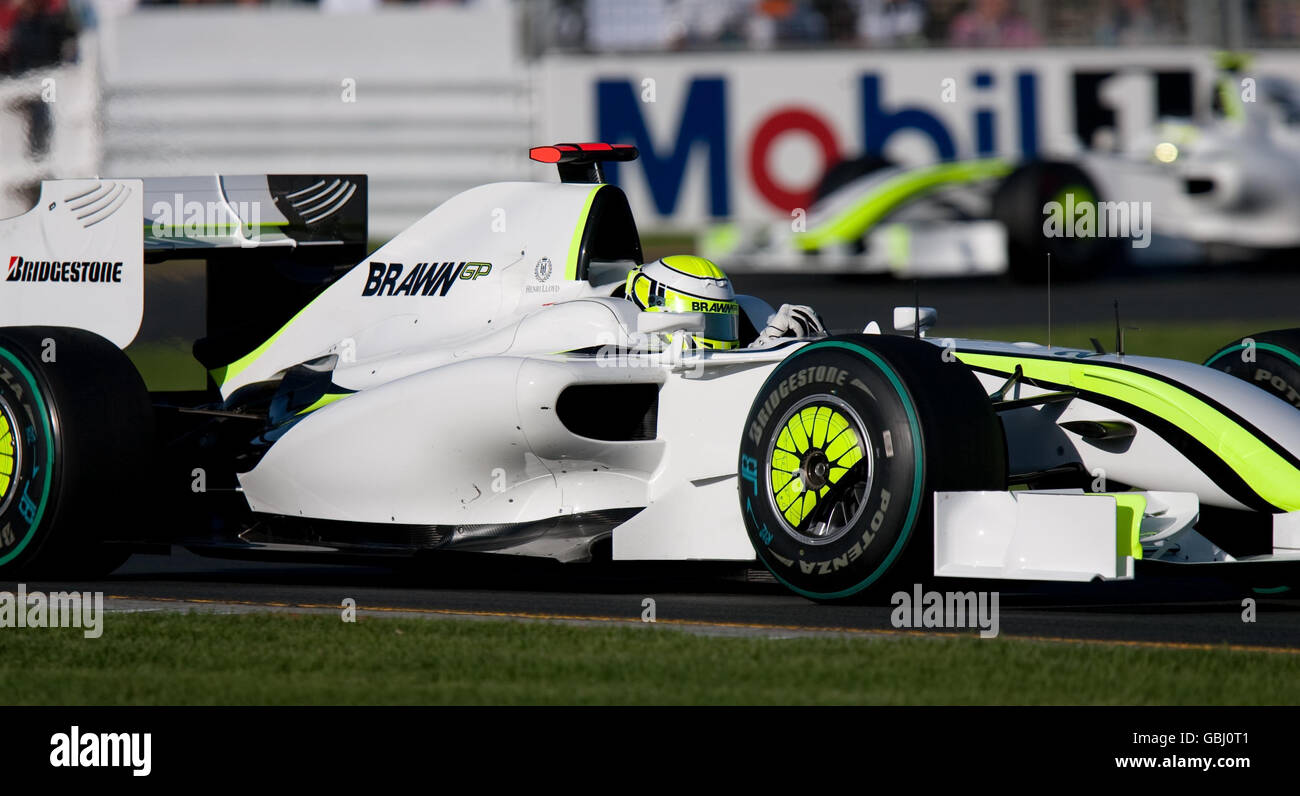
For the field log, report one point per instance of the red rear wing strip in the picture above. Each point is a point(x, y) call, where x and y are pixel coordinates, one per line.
point(582, 153)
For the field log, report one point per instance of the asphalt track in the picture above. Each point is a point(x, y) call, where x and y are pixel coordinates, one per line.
point(1160, 608)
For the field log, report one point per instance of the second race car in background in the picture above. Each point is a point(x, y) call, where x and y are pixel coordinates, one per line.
point(1175, 192)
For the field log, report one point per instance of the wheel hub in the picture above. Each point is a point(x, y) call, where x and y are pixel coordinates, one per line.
point(815, 469)
point(819, 469)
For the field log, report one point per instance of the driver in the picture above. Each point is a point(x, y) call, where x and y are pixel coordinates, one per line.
point(685, 283)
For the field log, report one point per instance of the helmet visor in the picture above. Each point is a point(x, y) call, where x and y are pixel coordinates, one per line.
point(721, 327)
point(721, 317)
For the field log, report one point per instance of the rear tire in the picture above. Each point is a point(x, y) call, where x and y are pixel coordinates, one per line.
point(79, 426)
point(1272, 363)
point(846, 504)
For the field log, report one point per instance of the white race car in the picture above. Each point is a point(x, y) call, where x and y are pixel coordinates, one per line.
point(492, 380)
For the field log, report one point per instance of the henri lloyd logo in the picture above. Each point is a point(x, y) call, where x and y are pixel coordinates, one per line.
point(73, 749)
point(542, 271)
point(21, 270)
point(425, 279)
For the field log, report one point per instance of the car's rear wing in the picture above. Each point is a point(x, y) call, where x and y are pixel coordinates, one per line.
point(174, 260)
point(254, 211)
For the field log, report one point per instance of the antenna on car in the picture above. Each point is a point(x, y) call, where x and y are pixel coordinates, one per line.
point(1119, 331)
point(916, 305)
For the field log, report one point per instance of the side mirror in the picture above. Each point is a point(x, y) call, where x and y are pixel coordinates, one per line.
point(908, 319)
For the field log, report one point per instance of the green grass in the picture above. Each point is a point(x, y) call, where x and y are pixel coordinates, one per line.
point(661, 244)
point(289, 659)
point(168, 365)
point(1180, 340)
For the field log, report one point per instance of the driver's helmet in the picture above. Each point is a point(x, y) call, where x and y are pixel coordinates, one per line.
point(684, 283)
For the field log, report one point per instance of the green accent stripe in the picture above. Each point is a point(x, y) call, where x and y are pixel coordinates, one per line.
point(226, 372)
point(202, 229)
point(1263, 469)
point(854, 221)
point(1128, 522)
point(49, 463)
point(1230, 100)
point(1282, 352)
point(913, 508)
point(575, 244)
point(325, 400)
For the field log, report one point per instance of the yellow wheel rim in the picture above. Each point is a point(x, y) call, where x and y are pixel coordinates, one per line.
point(820, 442)
point(8, 454)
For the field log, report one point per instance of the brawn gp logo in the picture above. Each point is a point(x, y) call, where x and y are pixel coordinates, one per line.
point(721, 307)
point(425, 279)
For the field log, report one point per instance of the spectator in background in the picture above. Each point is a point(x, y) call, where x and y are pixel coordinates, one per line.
point(992, 23)
point(8, 18)
point(349, 6)
point(36, 34)
point(621, 25)
point(1276, 21)
point(884, 23)
point(1132, 22)
point(692, 23)
point(785, 22)
point(841, 17)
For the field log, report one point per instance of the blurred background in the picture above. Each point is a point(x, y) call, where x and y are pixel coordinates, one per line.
point(741, 109)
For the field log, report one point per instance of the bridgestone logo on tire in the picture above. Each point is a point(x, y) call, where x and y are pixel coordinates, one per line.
point(804, 377)
point(843, 446)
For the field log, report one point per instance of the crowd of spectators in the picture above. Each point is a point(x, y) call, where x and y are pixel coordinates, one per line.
point(616, 25)
point(1274, 21)
point(326, 5)
point(36, 34)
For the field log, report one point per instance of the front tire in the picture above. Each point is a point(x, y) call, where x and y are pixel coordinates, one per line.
point(1269, 360)
point(76, 429)
point(844, 447)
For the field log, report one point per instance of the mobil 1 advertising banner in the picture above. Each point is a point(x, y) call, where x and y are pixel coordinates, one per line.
point(747, 136)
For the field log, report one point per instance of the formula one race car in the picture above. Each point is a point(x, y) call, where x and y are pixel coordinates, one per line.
point(489, 381)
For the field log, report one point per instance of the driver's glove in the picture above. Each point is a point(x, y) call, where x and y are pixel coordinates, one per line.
point(791, 321)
